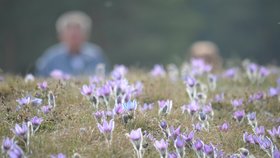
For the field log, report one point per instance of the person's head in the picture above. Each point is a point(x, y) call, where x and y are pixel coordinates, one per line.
point(208, 51)
point(73, 29)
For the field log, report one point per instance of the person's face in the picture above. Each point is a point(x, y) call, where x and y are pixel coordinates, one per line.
point(73, 37)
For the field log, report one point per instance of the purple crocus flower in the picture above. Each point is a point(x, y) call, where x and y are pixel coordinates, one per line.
point(248, 138)
point(260, 130)
point(21, 131)
point(180, 146)
point(86, 90)
point(255, 97)
point(276, 153)
point(265, 143)
point(190, 81)
point(253, 68)
point(272, 92)
point(7, 144)
point(219, 98)
point(198, 145)
point(179, 143)
point(106, 127)
point(135, 135)
point(119, 72)
point(192, 108)
point(237, 103)
point(118, 109)
point(188, 137)
point(239, 115)
point(172, 155)
point(16, 152)
point(161, 147)
point(36, 121)
point(174, 133)
point(59, 75)
point(60, 155)
point(165, 106)
point(264, 72)
point(230, 73)
point(208, 149)
point(136, 138)
point(158, 71)
point(23, 101)
point(46, 109)
point(252, 116)
point(224, 127)
point(43, 85)
point(274, 132)
point(163, 125)
point(146, 107)
point(197, 127)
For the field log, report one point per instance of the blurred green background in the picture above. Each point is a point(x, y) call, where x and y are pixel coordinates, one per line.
point(143, 32)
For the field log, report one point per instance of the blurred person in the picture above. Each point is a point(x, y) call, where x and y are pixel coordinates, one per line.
point(208, 51)
point(74, 55)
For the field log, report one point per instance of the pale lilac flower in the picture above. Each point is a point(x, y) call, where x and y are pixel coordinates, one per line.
point(43, 85)
point(239, 115)
point(180, 146)
point(219, 98)
point(198, 145)
point(237, 103)
point(197, 127)
point(60, 155)
point(255, 97)
point(230, 73)
point(23, 101)
point(192, 108)
point(86, 90)
point(161, 147)
point(224, 127)
point(265, 143)
point(135, 135)
point(264, 72)
point(106, 127)
point(248, 138)
point(21, 130)
point(208, 149)
point(188, 137)
point(7, 144)
point(147, 107)
point(190, 81)
point(46, 109)
point(118, 109)
point(172, 155)
point(119, 72)
point(276, 153)
point(36, 121)
point(163, 125)
point(272, 92)
point(260, 130)
point(274, 132)
point(16, 152)
point(57, 74)
point(136, 138)
point(165, 106)
point(158, 71)
point(174, 133)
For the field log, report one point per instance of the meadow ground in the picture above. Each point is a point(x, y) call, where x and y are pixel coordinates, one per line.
point(71, 128)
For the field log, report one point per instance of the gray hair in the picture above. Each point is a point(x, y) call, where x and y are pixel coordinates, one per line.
point(74, 18)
